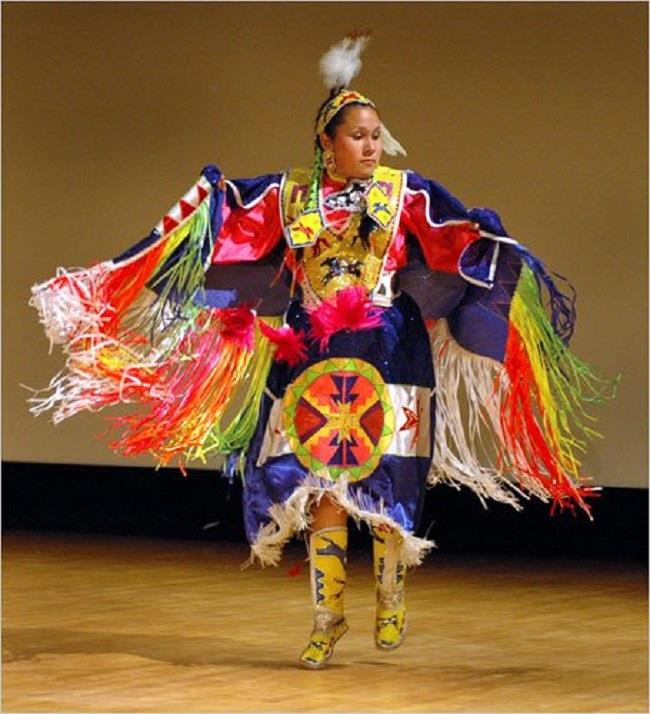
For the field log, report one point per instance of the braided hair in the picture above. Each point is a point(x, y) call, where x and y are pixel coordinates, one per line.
point(330, 130)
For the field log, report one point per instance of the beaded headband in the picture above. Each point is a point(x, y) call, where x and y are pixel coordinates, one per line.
point(336, 103)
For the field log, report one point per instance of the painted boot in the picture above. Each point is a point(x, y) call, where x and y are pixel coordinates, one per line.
point(327, 569)
point(390, 625)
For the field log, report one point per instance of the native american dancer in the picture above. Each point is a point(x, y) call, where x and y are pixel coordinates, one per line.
point(325, 329)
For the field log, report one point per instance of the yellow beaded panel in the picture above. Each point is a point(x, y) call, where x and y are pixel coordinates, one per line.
point(295, 192)
point(340, 259)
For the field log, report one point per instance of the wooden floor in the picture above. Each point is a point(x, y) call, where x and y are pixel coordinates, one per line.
point(104, 624)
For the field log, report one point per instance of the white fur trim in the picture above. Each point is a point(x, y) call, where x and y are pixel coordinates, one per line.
point(293, 516)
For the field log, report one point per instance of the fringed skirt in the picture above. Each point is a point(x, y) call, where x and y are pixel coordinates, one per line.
point(354, 421)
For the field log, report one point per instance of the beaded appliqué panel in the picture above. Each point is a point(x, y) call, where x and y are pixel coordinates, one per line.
point(342, 256)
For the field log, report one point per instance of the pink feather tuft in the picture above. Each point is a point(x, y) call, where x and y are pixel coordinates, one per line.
point(238, 325)
point(349, 309)
point(291, 346)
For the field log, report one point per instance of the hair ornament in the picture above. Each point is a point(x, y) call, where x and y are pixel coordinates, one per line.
point(391, 146)
point(338, 67)
point(342, 62)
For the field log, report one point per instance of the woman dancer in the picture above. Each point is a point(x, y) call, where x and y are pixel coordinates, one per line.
point(281, 321)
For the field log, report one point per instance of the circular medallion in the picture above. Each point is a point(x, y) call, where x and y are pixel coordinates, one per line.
point(338, 417)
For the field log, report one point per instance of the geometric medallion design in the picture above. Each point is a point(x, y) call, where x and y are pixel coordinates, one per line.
point(337, 416)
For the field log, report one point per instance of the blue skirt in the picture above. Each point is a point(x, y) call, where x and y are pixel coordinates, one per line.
point(355, 421)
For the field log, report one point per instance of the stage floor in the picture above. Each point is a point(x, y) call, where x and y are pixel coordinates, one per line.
point(107, 624)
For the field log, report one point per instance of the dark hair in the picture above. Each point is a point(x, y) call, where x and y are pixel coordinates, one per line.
point(338, 118)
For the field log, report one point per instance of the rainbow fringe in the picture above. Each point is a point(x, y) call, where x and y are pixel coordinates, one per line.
point(527, 422)
point(550, 387)
point(135, 333)
point(236, 435)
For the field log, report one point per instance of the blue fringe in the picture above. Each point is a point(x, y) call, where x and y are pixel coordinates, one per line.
point(562, 306)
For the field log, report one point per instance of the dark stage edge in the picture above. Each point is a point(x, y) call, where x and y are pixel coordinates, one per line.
point(164, 503)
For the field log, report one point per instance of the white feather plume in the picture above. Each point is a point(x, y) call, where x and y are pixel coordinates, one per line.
point(342, 62)
point(391, 146)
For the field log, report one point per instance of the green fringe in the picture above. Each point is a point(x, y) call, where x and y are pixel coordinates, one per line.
point(187, 276)
point(174, 309)
point(571, 381)
point(237, 435)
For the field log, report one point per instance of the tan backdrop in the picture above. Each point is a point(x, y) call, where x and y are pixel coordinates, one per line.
point(538, 110)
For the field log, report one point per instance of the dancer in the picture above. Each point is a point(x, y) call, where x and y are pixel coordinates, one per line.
point(280, 321)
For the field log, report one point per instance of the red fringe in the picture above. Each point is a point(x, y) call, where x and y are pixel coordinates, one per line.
point(348, 309)
point(192, 388)
point(525, 442)
point(124, 284)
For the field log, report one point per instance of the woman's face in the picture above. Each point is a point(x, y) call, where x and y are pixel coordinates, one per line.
point(357, 143)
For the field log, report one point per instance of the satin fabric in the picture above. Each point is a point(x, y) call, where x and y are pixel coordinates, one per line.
point(437, 255)
point(400, 352)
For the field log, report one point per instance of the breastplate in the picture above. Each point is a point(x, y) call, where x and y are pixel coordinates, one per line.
point(340, 260)
point(339, 257)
